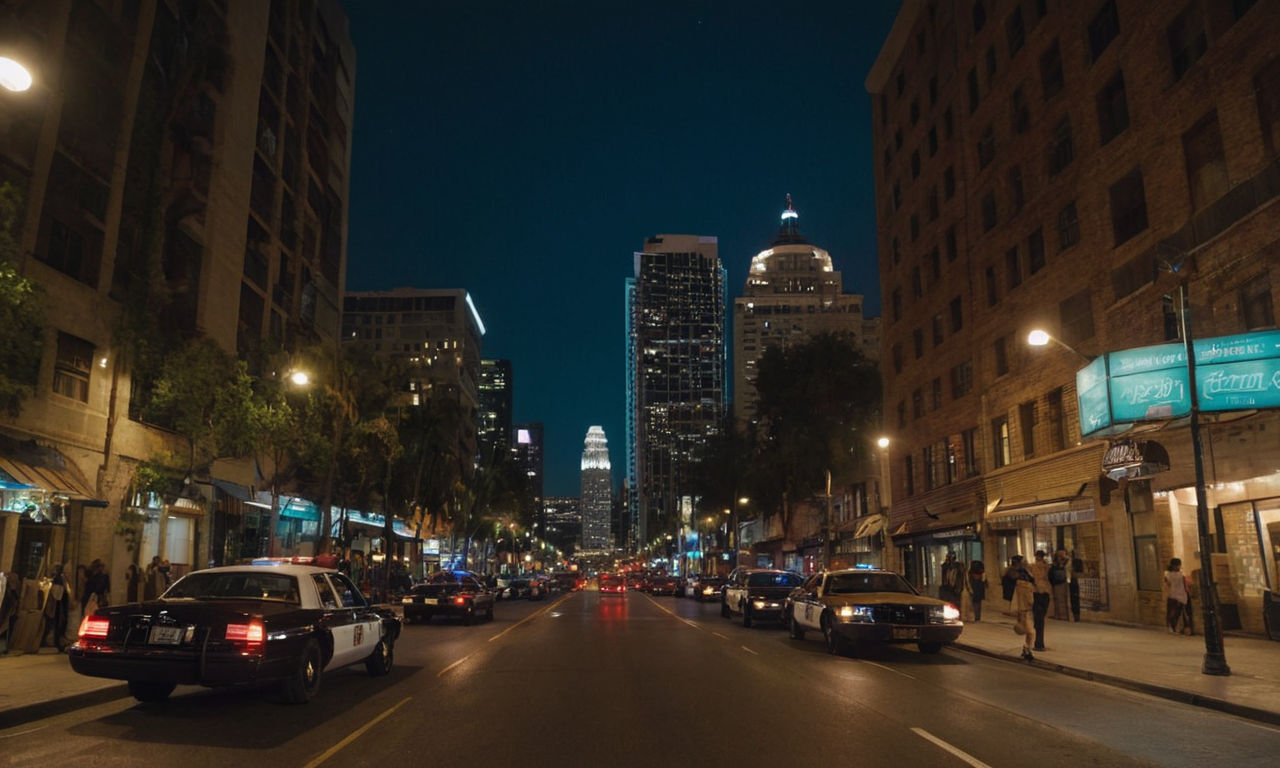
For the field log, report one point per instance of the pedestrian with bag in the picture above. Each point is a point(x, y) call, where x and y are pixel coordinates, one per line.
point(1009, 580)
point(56, 606)
point(1023, 603)
point(977, 587)
point(948, 586)
point(97, 589)
point(1058, 578)
point(1175, 595)
point(1043, 589)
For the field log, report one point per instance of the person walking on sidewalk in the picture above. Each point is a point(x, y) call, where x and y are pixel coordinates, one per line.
point(1175, 594)
point(1040, 608)
point(1058, 580)
point(132, 584)
point(1073, 586)
point(56, 604)
point(1023, 602)
point(977, 587)
point(949, 586)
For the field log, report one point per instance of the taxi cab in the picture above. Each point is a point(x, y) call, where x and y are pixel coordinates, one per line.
point(859, 606)
point(285, 622)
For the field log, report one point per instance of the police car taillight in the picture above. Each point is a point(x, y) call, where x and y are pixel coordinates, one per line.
point(252, 633)
point(95, 626)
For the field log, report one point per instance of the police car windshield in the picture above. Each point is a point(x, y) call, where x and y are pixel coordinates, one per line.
point(235, 586)
point(773, 580)
point(857, 583)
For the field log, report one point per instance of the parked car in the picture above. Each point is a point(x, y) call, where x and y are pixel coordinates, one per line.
point(704, 588)
point(663, 585)
point(612, 584)
point(285, 623)
point(568, 582)
point(459, 594)
point(757, 594)
point(858, 606)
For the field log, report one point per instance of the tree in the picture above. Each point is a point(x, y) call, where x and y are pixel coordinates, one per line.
point(22, 321)
point(722, 471)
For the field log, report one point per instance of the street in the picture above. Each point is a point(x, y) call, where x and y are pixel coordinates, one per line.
point(586, 679)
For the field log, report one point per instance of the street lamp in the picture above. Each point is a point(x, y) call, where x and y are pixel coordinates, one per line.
point(1039, 338)
point(13, 75)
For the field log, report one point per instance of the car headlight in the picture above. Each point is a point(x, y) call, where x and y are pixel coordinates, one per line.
point(407, 600)
point(708, 591)
point(944, 614)
point(856, 613)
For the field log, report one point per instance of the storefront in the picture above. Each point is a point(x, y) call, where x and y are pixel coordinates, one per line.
point(861, 543)
point(42, 507)
point(923, 545)
point(1069, 524)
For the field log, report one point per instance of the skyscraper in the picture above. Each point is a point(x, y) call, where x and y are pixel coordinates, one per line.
point(792, 292)
point(596, 498)
point(493, 421)
point(526, 445)
point(678, 348)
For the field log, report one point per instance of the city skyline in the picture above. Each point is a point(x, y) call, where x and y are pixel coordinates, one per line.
point(538, 171)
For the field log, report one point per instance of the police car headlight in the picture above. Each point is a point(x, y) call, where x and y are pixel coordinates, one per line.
point(944, 614)
point(856, 613)
point(759, 605)
point(406, 600)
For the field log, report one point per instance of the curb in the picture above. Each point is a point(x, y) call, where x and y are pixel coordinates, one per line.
point(1164, 692)
point(40, 710)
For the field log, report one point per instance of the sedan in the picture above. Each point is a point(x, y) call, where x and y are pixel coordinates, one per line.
point(865, 606)
point(458, 594)
point(705, 588)
point(285, 623)
point(757, 594)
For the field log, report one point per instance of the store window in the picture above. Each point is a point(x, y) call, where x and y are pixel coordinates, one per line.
point(1146, 556)
point(71, 369)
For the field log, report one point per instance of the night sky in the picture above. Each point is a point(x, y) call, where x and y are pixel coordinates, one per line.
point(524, 150)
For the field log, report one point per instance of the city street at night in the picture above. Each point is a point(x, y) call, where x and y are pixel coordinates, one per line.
point(591, 679)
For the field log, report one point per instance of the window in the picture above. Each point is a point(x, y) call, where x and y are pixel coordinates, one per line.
point(933, 204)
point(917, 404)
point(1000, 441)
point(979, 16)
point(993, 290)
point(1001, 351)
point(915, 164)
point(974, 94)
point(961, 380)
point(920, 42)
point(1146, 556)
point(1021, 113)
point(933, 141)
point(1057, 426)
point(935, 265)
point(1068, 227)
point(902, 83)
point(969, 441)
point(884, 109)
point(1187, 40)
point(915, 226)
point(1061, 148)
point(1016, 191)
point(917, 283)
point(929, 461)
point(948, 183)
point(991, 62)
point(989, 212)
point(1206, 163)
point(896, 354)
point(986, 147)
point(957, 314)
point(1035, 251)
point(1027, 424)
point(909, 473)
point(1128, 206)
point(897, 195)
point(896, 302)
point(1014, 31)
point(897, 252)
point(1012, 267)
point(1103, 28)
point(1113, 109)
point(1255, 303)
point(72, 366)
point(937, 330)
point(1075, 317)
point(1051, 71)
point(897, 139)
point(887, 157)
point(937, 392)
point(933, 90)
point(1267, 85)
point(948, 124)
point(915, 111)
point(902, 414)
point(917, 339)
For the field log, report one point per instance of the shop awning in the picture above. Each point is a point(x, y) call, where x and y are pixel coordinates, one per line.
point(997, 510)
point(935, 524)
point(234, 490)
point(48, 479)
point(869, 526)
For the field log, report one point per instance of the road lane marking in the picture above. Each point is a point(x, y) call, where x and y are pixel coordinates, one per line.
point(331, 751)
point(889, 669)
point(722, 637)
point(454, 664)
point(748, 650)
point(530, 617)
point(21, 733)
point(672, 613)
point(960, 753)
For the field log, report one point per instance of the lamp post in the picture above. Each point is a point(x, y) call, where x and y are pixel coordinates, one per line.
point(1039, 338)
point(14, 76)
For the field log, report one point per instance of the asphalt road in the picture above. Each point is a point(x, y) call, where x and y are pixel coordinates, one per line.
point(591, 680)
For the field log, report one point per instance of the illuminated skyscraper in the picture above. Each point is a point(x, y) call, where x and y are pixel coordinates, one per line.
point(526, 445)
point(792, 293)
point(493, 421)
point(597, 491)
point(678, 371)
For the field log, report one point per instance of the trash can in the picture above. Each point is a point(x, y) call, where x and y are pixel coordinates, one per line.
point(1271, 614)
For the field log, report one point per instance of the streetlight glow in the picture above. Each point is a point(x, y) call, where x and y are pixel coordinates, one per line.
point(13, 76)
point(882, 442)
point(300, 378)
point(1038, 338)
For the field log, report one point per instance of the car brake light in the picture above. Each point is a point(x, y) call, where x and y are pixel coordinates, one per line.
point(252, 633)
point(459, 601)
point(94, 626)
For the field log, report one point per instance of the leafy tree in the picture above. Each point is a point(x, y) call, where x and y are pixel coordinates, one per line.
point(22, 321)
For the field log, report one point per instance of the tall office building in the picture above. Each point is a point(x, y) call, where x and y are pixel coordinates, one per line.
point(596, 498)
point(526, 445)
point(678, 344)
point(493, 422)
point(629, 485)
point(1049, 167)
point(182, 171)
point(792, 292)
point(562, 523)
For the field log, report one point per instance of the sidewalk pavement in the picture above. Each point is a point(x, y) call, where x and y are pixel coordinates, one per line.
point(1141, 658)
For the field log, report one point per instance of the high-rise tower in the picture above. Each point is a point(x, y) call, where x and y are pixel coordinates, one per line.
point(597, 491)
point(493, 421)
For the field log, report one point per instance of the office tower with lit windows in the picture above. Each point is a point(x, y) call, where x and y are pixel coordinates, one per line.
point(527, 450)
point(793, 292)
point(1077, 168)
point(596, 497)
point(493, 421)
point(562, 523)
point(677, 342)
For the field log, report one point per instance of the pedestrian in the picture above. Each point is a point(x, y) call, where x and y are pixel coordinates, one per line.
point(154, 585)
point(1175, 595)
point(1073, 586)
point(1009, 579)
point(56, 602)
point(977, 587)
point(164, 573)
point(10, 594)
point(1040, 572)
point(97, 589)
point(82, 580)
point(1023, 603)
point(948, 587)
point(132, 583)
point(1058, 578)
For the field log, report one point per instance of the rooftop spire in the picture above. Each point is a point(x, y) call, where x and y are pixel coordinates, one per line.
point(789, 231)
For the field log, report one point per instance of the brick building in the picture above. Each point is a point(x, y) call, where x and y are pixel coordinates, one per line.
point(1042, 164)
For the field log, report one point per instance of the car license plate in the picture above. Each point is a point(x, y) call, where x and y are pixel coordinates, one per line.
point(165, 635)
point(906, 633)
point(429, 601)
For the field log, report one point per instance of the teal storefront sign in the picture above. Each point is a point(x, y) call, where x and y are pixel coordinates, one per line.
point(1239, 372)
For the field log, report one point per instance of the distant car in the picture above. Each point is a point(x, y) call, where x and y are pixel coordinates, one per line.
point(458, 594)
point(568, 582)
point(664, 585)
point(637, 581)
point(704, 588)
point(866, 606)
point(757, 594)
point(611, 584)
point(284, 623)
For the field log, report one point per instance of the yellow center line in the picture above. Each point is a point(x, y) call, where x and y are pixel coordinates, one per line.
point(888, 669)
point(331, 751)
point(748, 650)
point(530, 617)
point(454, 664)
point(672, 613)
point(722, 637)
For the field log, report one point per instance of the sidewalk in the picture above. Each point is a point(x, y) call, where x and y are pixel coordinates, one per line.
point(1146, 659)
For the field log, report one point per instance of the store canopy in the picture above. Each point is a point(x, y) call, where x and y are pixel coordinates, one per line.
point(935, 523)
point(869, 526)
point(1000, 511)
point(48, 479)
point(234, 490)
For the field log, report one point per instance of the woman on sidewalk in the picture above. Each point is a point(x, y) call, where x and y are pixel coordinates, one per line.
point(1024, 598)
point(977, 587)
point(1175, 592)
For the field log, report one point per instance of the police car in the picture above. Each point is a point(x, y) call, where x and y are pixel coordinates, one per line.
point(285, 622)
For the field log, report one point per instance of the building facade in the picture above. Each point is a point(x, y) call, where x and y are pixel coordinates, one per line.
point(596, 498)
point(1075, 168)
point(180, 172)
point(562, 521)
point(527, 450)
point(493, 422)
point(678, 343)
